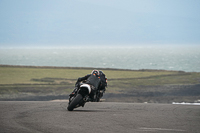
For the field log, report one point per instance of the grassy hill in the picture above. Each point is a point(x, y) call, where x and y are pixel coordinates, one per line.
point(49, 83)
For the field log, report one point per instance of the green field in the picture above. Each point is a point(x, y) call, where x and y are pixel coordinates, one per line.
point(21, 82)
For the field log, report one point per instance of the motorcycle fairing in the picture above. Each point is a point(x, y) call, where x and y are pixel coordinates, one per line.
point(86, 86)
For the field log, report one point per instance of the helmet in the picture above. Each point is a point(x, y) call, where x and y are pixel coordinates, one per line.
point(96, 72)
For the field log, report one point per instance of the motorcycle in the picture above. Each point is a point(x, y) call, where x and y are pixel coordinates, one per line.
point(85, 93)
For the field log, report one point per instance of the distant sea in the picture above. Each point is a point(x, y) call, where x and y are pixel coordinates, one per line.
point(178, 58)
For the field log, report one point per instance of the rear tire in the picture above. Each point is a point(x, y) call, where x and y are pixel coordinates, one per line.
point(74, 102)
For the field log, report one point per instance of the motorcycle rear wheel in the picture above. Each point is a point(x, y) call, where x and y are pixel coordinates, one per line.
point(75, 102)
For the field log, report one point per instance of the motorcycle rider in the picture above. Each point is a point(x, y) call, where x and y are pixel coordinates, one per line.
point(92, 79)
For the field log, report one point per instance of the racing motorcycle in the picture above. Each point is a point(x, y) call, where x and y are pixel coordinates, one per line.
point(85, 93)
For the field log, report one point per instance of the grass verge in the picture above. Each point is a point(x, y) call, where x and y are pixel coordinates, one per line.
point(30, 83)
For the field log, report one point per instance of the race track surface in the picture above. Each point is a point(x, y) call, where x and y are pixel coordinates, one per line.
point(102, 117)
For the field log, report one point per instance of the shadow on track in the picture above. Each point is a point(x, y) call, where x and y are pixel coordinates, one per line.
point(88, 111)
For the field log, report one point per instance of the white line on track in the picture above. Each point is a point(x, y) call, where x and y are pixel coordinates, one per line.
point(160, 129)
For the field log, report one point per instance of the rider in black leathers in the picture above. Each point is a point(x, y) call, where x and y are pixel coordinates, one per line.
point(91, 79)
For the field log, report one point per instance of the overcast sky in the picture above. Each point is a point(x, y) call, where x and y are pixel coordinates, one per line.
point(25, 23)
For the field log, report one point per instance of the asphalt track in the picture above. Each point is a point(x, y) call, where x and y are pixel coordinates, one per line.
point(102, 117)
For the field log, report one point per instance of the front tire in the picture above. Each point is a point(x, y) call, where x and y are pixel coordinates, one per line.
point(75, 102)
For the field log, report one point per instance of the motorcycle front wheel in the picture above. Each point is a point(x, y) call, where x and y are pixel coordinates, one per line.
point(75, 102)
